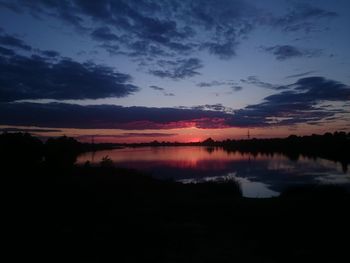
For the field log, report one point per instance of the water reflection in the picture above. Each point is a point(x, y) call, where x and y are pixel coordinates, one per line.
point(260, 175)
point(249, 188)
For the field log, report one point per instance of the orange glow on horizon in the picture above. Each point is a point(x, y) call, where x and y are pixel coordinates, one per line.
point(188, 134)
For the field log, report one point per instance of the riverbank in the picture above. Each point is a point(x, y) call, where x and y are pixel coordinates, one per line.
point(104, 214)
point(55, 211)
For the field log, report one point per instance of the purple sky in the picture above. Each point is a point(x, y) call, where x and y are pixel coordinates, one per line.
point(174, 69)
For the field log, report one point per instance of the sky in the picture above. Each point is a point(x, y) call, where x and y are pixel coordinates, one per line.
point(174, 70)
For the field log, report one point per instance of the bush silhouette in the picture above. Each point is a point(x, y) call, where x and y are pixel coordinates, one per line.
point(62, 151)
point(106, 162)
point(20, 148)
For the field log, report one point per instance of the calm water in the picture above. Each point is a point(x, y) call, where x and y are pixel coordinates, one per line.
point(259, 175)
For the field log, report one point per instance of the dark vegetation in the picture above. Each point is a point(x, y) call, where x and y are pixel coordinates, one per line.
point(332, 146)
point(335, 147)
point(56, 211)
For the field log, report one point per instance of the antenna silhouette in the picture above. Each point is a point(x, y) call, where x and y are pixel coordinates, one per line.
point(248, 135)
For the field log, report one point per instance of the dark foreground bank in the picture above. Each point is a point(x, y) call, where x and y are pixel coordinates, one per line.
point(55, 211)
point(103, 214)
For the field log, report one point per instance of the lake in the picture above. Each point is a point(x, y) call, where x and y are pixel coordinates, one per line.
point(259, 175)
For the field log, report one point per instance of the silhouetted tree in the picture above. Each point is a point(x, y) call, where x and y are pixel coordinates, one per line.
point(208, 142)
point(20, 148)
point(62, 151)
point(106, 162)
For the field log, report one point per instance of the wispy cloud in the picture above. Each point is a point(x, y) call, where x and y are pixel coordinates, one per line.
point(179, 69)
point(284, 52)
point(300, 74)
point(254, 80)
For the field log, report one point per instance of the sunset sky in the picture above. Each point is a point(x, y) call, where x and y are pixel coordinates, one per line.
point(174, 70)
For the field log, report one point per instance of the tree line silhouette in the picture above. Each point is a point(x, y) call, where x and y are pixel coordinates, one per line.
point(30, 150)
point(335, 147)
point(64, 150)
point(332, 146)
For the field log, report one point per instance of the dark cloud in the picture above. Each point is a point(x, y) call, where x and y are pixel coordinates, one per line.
point(38, 78)
point(229, 83)
point(106, 116)
point(181, 48)
point(227, 22)
point(299, 104)
point(223, 51)
point(300, 74)
point(254, 80)
point(179, 69)
point(17, 44)
point(128, 135)
point(277, 113)
point(103, 34)
point(158, 30)
point(321, 89)
point(29, 130)
point(302, 17)
point(64, 10)
point(177, 26)
point(236, 88)
point(139, 49)
point(112, 49)
point(50, 53)
point(168, 94)
point(13, 6)
point(212, 107)
point(149, 28)
point(13, 42)
point(6, 51)
point(283, 52)
point(210, 84)
point(96, 9)
point(215, 83)
point(156, 88)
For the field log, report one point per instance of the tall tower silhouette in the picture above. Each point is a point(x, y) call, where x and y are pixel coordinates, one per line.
point(248, 135)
